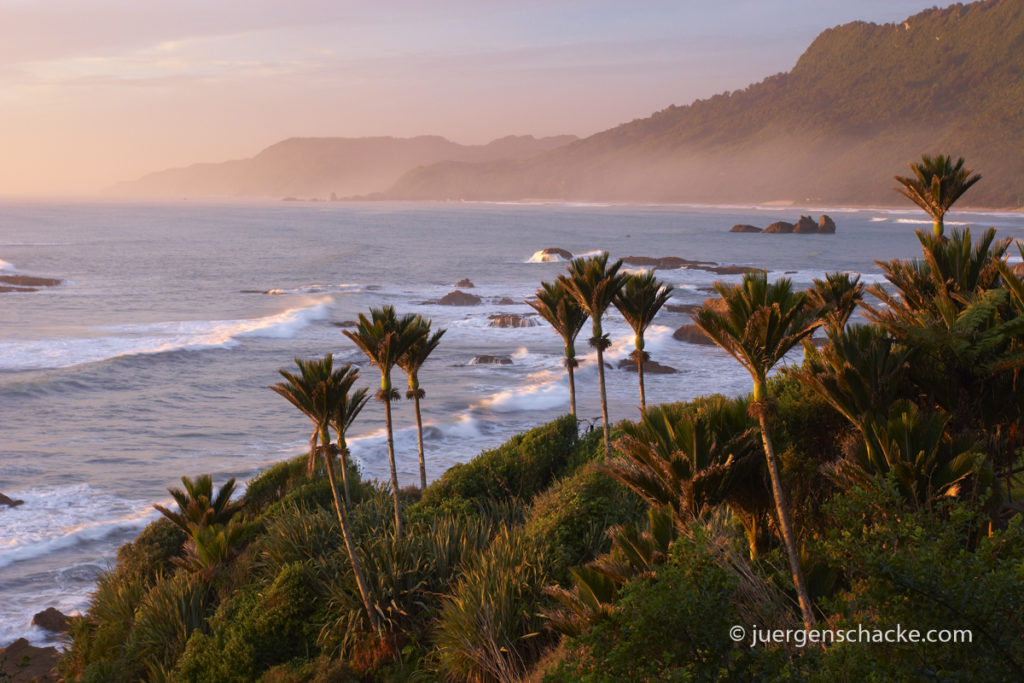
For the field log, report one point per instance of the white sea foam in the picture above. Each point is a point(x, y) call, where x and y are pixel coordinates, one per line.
point(6, 265)
point(922, 221)
point(542, 257)
point(879, 219)
point(130, 340)
point(54, 518)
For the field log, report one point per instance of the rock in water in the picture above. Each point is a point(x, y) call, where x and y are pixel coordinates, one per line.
point(693, 335)
point(826, 226)
point(780, 227)
point(464, 283)
point(651, 367)
point(805, 226)
point(491, 360)
point(22, 661)
point(459, 298)
point(4, 500)
point(512, 320)
point(742, 227)
point(52, 619)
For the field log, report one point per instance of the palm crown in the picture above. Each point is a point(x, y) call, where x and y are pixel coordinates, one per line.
point(556, 305)
point(385, 338)
point(937, 183)
point(759, 324)
point(594, 284)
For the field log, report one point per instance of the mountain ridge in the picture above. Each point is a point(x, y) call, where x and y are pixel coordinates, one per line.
point(862, 101)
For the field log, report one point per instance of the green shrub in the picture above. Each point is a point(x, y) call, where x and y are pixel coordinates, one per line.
point(489, 628)
point(567, 522)
point(672, 627)
point(519, 469)
point(149, 555)
point(259, 627)
point(924, 571)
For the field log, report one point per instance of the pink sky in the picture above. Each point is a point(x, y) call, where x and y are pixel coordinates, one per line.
point(96, 92)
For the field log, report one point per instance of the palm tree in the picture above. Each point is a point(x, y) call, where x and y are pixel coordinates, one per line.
point(836, 298)
point(936, 184)
point(411, 361)
point(198, 506)
point(317, 391)
point(757, 324)
point(384, 338)
point(344, 414)
point(594, 284)
point(559, 308)
point(640, 299)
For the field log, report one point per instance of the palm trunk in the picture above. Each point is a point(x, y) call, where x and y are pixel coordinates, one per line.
point(640, 373)
point(938, 227)
point(419, 439)
point(572, 387)
point(357, 570)
point(786, 526)
point(604, 403)
point(391, 463)
point(343, 456)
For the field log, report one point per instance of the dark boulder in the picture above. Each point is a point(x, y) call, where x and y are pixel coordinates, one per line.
point(552, 254)
point(742, 227)
point(459, 298)
point(28, 281)
point(464, 283)
point(826, 226)
point(512, 320)
point(52, 619)
point(491, 360)
point(806, 226)
point(693, 335)
point(346, 323)
point(4, 500)
point(651, 367)
point(22, 661)
point(780, 227)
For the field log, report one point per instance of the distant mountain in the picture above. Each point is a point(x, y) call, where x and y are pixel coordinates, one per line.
point(861, 102)
point(318, 167)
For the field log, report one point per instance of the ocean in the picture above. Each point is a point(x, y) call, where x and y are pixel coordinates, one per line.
point(151, 360)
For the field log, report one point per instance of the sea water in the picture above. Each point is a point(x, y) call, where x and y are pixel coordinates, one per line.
point(152, 359)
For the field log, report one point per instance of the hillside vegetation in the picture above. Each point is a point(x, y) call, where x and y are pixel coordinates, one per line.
point(861, 100)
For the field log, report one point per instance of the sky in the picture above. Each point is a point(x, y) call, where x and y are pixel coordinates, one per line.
point(96, 92)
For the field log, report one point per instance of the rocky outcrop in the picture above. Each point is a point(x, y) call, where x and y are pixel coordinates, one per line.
point(780, 227)
point(52, 619)
point(459, 298)
point(742, 227)
point(693, 335)
point(491, 360)
point(555, 251)
point(805, 226)
point(10, 502)
point(22, 661)
point(826, 226)
point(464, 283)
point(666, 262)
point(651, 367)
point(512, 320)
point(346, 323)
point(29, 281)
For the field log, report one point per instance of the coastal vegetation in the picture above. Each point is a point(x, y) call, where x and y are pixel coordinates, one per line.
point(867, 488)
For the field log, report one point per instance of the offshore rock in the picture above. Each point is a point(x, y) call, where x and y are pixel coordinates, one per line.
point(459, 298)
point(806, 226)
point(512, 320)
point(826, 226)
point(742, 227)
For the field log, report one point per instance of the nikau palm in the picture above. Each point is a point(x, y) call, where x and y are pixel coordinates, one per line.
point(640, 299)
point(411, 361)
point(566, 317)
point(757, 325)
point(345, 410)
point(594, 284)
point(384, 338)
point(317, 391)
point(936, 184)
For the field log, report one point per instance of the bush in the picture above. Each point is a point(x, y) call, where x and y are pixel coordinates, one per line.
point(261, 626)
point(489, 629)
point(519, 469)
point(149, 555)
point(567, 522)
point(925, 571)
